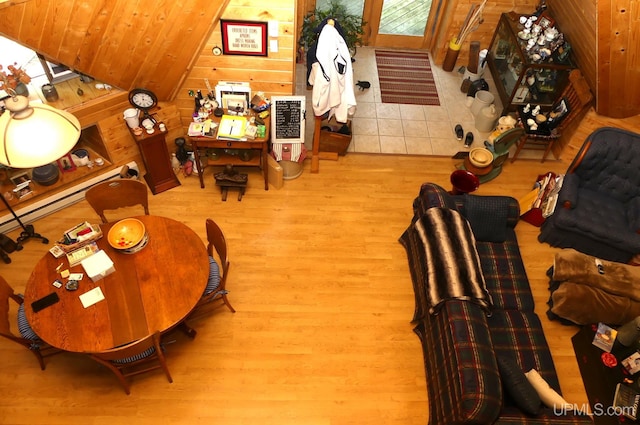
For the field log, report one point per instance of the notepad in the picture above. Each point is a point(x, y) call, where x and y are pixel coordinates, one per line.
point(91, 297)
point(232, 127)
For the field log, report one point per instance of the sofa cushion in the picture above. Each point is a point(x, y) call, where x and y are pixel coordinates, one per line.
point(505, 275)
point(487, 216)
point(520, 333)
point(517, 385)
point(463, 381)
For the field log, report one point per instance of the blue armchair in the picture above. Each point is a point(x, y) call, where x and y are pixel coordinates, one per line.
point(598, 209)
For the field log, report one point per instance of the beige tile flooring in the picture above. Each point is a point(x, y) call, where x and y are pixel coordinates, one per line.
point(405, 129)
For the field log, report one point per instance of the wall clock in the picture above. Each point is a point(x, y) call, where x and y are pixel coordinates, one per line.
point(144, 100)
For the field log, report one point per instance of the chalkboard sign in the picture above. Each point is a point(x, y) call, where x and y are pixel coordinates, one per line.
point(287, 119)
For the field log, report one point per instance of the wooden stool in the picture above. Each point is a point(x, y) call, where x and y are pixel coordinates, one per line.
point(225, 185)
point(231, 178)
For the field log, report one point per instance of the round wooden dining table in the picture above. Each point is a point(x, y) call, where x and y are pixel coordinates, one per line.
point(151, 290)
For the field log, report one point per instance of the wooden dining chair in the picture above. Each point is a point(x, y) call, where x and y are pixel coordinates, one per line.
point(134, 358)
point(114, 194)
point(218, 271)
point(577, 96)
point(27, 337)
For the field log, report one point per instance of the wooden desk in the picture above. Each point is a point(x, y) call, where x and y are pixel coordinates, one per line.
point(153, 289)
point(258, 144)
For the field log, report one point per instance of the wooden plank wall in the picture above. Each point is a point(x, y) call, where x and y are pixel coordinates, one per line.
point(273, 74)
point(170, 59)
point(577, 20)
point(146, 43)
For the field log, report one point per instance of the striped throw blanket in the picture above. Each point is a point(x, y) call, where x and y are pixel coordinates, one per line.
point(444, 261)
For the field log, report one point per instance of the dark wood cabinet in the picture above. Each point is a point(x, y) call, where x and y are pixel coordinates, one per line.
point(157, 162)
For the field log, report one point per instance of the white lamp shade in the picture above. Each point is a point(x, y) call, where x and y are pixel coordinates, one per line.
point(36, 139)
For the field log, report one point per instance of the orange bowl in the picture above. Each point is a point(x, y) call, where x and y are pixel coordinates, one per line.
point(126, 233)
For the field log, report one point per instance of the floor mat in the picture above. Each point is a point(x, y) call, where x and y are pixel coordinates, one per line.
point(406, 77)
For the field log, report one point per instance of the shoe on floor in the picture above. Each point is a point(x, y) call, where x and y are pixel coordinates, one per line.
point(468, 140)
point(459, 132)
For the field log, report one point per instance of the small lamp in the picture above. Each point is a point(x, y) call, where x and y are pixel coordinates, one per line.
point(32, 136)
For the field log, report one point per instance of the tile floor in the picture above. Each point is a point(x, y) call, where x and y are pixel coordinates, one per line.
point(405, 129)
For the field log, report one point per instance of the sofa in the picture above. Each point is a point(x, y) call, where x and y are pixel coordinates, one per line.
point(472, 340)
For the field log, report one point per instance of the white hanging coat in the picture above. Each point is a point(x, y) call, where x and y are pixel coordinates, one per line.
point(332, 77)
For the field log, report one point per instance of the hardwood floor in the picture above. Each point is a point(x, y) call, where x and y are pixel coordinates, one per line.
point(323, 297)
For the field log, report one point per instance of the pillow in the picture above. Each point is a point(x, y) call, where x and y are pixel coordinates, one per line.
point(214, 276)
point(518, 386)
point(487, 216)
point(548, 395)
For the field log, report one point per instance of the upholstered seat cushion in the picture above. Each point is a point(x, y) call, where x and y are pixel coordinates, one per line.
point(23, 326)
point(146, 353)
point(214, 276)
point(610, 215)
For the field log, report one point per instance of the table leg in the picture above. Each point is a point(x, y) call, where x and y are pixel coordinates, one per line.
point(224, 193)
point(263, 166)
point(196, 156)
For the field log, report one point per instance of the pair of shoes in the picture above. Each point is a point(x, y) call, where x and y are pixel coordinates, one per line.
point(459, 132)
point(468, 140)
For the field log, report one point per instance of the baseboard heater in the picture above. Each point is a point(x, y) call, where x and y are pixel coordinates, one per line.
point(57, 201)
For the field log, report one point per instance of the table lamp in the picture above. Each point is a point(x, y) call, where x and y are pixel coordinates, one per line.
point(32, 135)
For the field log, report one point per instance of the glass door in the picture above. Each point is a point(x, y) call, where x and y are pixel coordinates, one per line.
point(393, 23)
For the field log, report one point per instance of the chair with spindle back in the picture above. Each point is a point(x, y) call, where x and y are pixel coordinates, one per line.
point(115, 194)
point(575, 98)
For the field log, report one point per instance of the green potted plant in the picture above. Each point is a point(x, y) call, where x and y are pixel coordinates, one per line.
point(352, 25)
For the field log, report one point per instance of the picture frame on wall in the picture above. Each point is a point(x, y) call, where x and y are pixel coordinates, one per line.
point(247, 38)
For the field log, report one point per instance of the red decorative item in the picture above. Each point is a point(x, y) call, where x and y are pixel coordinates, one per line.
point(609, 360)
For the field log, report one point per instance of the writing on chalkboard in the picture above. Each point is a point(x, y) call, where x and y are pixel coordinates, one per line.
point(288, 115)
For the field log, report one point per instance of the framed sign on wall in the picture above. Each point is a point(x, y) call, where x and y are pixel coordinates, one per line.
point(244, 37)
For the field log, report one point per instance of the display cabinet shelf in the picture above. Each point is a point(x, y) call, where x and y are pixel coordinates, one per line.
point(522, 74)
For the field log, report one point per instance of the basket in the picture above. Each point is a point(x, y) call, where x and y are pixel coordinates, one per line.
point(96, 235)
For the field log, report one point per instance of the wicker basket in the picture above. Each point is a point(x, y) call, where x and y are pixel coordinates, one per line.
point(72, 247)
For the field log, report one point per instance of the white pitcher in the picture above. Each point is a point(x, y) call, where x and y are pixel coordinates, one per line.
point(132, 117)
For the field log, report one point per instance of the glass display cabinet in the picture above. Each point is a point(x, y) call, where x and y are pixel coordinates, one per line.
point(529, 61)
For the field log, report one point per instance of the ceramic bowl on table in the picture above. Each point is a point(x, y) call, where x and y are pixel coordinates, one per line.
point(126, 234)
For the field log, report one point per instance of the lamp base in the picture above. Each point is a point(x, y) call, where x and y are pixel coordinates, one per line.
point(28, 233)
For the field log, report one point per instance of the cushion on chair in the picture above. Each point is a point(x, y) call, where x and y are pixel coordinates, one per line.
point(146, 353)
point(214, 276)
point(23, 326)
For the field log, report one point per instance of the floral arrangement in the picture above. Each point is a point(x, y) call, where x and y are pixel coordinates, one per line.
point(13, 75)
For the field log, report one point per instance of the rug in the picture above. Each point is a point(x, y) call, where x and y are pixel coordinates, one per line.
point(406, 77)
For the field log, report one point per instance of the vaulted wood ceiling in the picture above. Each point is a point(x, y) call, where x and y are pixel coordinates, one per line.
point(146, 43)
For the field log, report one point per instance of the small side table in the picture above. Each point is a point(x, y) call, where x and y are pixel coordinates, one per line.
point(599, 380)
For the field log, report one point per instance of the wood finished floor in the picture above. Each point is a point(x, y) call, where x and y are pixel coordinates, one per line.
point(323, 298)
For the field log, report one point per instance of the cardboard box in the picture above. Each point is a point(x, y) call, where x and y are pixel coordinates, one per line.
point(275, 172)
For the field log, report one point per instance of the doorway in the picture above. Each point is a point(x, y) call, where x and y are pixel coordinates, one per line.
point(407, 24)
